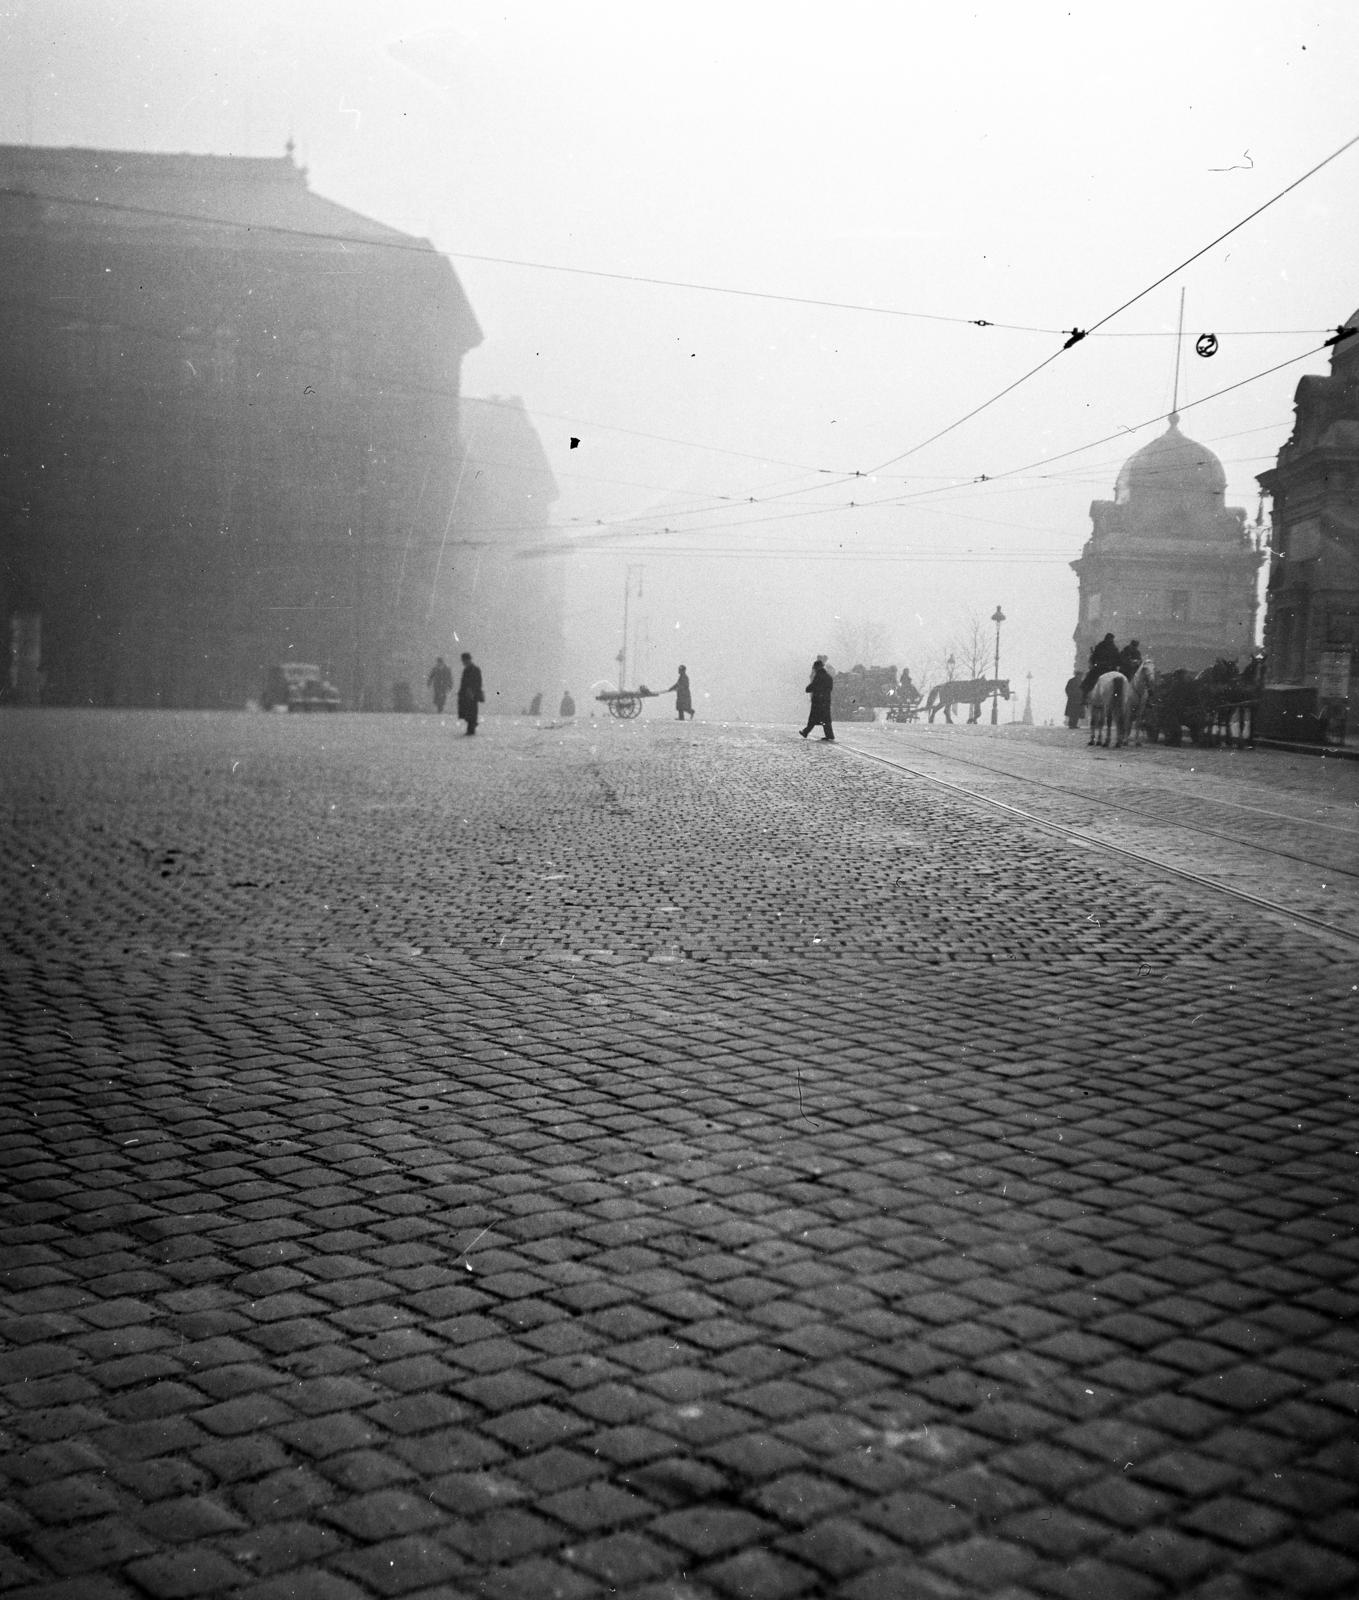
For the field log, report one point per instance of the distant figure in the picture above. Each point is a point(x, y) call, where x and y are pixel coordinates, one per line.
point(684, 701)
point(1103, 658)
point(470, 695)
point(568, 705)
point(820, 690)
point(1075, 700)
point(1129, 659)
point(535, 707)
point(440, 681)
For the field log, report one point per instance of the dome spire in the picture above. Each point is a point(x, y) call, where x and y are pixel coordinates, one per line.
point(1179, 340)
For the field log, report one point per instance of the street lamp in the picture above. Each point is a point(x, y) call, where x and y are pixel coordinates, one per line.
point(997, 616)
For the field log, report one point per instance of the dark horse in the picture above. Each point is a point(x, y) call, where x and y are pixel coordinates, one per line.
point(1229, 697)
point(969, 692)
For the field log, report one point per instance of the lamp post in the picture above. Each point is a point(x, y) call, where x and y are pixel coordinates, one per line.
point(997, 616)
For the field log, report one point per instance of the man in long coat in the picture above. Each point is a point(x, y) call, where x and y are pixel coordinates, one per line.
point(820, 690)
point(1103, 658)
point(684, 700)
point(470, 695)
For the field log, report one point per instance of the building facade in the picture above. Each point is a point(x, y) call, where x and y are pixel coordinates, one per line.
point(1312, 598)
point(510, 600)
point(1168, 563)
point(229, 432)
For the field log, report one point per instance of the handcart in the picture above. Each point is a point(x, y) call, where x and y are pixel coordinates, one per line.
point(626, 703)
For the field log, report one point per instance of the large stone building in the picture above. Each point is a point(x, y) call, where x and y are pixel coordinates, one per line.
point(510, 599)
point(229, 432)
point(1312, 599)
point(1167, 562)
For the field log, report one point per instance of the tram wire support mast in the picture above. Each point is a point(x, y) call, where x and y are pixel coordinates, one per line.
point(997, 616)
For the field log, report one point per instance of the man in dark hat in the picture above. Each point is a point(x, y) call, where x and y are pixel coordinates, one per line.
point(820, 690)
point(470, 694)
point(684, 701)
point(1103, 658)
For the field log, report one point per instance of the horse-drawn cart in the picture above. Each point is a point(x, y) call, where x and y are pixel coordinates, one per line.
point(625, 704)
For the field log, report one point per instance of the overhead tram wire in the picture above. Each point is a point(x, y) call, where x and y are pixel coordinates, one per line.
point(1094, 444)
point(425, 247)
point(1078, 335)
point(963, 484)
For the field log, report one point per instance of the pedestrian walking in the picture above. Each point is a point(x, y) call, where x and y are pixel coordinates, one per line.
point(440, 681)
point(470, 695)
point(568, 705)
point(1075, 700)
point(684, 700)
point(820, 690)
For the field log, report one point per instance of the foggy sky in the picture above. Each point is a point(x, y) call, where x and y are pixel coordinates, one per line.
point(1028, 164)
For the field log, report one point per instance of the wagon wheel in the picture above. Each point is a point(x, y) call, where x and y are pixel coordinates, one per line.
point(626, 706)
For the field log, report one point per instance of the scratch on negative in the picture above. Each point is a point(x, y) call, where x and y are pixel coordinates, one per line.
point(481, 1235)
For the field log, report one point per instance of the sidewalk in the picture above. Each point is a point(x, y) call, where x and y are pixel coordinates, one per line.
point(662, 1161)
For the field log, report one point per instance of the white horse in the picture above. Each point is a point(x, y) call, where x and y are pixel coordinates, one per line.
point(1140, 691)
point(1108, 705)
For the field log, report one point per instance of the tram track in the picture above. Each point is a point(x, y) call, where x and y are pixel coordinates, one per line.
point(1108, 803)
point(1142, 858)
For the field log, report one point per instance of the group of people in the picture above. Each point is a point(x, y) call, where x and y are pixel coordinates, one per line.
point(471, 696)
point(1106, 656)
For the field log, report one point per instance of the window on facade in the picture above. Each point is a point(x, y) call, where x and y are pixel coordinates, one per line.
point(1178, 606)
point(1341, 630)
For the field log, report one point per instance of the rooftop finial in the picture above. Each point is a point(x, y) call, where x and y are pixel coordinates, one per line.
point(1179, 340)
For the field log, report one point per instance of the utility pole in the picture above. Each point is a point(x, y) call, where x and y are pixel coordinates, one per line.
point(622, 657)
point(997, 616)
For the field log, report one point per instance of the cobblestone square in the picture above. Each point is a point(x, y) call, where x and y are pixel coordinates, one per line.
point(661, 1160)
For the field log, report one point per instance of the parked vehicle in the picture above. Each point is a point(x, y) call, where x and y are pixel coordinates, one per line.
point(298, 686)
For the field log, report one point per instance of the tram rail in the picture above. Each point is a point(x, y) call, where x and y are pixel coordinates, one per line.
point(1142, 858)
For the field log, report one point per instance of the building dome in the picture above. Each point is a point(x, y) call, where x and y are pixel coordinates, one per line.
point(1172, 468)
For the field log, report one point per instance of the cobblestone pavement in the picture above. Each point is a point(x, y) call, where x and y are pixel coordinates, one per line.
point(1263, 822)
point(670, 1162)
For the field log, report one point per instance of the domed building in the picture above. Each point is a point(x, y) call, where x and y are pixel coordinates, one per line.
point(1168, 563)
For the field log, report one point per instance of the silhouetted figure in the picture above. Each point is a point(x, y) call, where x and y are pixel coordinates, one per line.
point(470, 694)
point(1129, 659)
point(1103, 658)
point(820, 690)
point(535, 708)
point(440, 681)
point(1075, 700)
point(684, 701)
point(568, 705)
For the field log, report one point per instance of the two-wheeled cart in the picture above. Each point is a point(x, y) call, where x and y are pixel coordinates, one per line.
point(625, 704)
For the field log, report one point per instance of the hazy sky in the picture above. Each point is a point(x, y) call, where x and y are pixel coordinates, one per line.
point(1024, 163)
